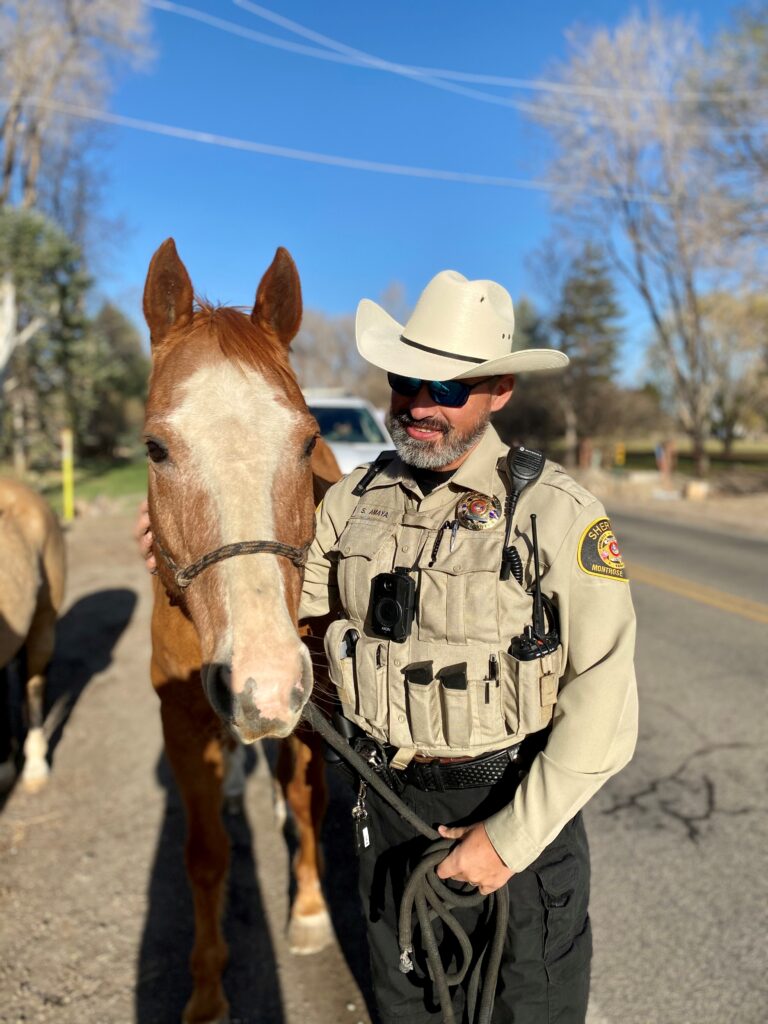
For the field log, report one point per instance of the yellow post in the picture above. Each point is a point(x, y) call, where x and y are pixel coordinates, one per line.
point(619, 454)
point(67, 475)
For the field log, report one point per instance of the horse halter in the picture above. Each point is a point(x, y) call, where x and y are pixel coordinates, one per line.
point(183, 577)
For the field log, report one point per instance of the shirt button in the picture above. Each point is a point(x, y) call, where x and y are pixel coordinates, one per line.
point(401, 718)
point(347, 549)
point(405, 547)
point(398, 662)
point(457, 567)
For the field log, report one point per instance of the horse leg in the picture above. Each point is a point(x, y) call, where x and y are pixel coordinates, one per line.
point(7, 766)
point(301, 772)
point(196, 752)
point(39, 651)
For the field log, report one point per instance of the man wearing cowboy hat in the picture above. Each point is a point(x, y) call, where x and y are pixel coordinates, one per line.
point(492, 719)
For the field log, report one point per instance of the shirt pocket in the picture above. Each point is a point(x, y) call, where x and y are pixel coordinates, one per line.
point(458, 597)
point(363, 549)
point(529, 691)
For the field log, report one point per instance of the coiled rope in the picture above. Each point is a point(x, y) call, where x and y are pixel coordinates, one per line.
point(429, 897)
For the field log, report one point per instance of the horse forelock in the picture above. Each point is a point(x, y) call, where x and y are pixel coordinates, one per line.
point(239, 340)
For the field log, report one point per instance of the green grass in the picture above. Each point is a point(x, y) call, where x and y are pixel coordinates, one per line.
point(126, 480)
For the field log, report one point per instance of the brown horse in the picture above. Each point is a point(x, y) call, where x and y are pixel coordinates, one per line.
point(32, 573)
point(233, 457)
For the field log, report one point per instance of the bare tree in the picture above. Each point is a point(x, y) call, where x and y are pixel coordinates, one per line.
point(55, 53)
point(636, 165)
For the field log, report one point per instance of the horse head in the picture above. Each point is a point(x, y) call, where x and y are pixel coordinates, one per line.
point(230, 440)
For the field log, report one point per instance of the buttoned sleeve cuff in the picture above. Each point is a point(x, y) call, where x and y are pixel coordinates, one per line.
point(510, 840)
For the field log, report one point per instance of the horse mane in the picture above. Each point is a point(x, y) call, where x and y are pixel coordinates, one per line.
point(241, 341)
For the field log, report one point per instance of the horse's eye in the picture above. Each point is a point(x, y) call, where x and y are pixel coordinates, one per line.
point(309, 447)
point(156, 451)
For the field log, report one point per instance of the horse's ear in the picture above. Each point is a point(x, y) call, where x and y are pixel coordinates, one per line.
point(167, 293)
point(278, 299)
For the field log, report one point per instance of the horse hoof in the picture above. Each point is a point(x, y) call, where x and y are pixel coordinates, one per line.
point(7, 775)
point(35, 775)
point(310, 934)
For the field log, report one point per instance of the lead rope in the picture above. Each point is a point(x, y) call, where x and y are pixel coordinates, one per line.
point(430, 898)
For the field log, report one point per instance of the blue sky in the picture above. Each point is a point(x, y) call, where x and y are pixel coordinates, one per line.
point(351, 232)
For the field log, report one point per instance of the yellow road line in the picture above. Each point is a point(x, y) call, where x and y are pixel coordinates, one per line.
point(753, 610)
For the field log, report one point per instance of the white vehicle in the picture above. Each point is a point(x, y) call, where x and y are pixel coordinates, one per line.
point(353, 429)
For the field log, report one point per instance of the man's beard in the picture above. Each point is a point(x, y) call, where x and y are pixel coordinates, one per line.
point(432, 454)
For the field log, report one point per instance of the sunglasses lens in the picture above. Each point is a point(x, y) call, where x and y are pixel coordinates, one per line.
point(408, 386)
point(452, 393)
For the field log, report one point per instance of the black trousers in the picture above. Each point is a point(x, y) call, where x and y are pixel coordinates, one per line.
point(544, 977)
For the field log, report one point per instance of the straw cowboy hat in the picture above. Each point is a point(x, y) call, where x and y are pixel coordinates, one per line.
point(458, 329)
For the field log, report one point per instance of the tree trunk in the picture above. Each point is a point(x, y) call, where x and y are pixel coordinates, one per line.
point(700, 457)
point(17, 428)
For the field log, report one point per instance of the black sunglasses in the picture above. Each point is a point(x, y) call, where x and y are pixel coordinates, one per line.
point(452, 393)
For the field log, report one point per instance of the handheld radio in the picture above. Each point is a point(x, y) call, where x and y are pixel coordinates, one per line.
point(524, 467)
point(536, 640)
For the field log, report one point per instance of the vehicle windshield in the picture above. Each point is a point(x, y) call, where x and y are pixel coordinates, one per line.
point(347, 423)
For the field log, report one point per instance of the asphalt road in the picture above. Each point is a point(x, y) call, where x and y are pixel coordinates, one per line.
point(679, 838)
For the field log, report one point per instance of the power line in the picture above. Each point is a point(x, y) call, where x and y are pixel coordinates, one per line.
point(331, 160)
point(342, 54)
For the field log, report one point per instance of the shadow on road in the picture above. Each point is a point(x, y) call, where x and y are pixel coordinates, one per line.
point(85, 639)
point(164, 983)
point(251, 979)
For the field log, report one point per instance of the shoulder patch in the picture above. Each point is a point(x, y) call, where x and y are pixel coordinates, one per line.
point(598, 553)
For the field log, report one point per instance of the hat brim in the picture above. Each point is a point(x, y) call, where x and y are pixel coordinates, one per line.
point(379, 341)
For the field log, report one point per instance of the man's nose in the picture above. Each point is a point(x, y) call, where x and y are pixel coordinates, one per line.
point(424, 403)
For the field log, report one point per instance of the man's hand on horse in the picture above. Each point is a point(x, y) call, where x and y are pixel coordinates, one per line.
point(142, 531)
point(473, 859)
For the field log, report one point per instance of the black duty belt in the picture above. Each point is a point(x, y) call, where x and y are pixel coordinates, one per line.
point(474, 773)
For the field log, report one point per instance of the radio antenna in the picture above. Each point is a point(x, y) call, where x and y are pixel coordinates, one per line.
point(539, 627)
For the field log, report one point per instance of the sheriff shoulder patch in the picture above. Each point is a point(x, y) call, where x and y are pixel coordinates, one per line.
point(599, 554)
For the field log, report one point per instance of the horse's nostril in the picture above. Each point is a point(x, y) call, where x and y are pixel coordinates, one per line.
point(217, 686)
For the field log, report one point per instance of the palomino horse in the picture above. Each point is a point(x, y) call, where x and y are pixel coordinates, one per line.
point(235, 471)
point(32, 571)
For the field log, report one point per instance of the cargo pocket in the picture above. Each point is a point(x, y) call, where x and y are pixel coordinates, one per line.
point(529, 691)
point(362, 547)
point(567, 931)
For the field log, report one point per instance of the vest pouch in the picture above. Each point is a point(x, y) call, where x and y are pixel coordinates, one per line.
point(489, 726)
point(341, 641)
point(529, 691)
point(424, 711)
point(456, 705)
point(371, 680)
point(458, 596)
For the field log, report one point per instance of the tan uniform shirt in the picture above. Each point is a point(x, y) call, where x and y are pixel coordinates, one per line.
point(466, 617)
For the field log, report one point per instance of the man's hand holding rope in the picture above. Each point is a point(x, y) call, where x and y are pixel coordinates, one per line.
point(474, 859)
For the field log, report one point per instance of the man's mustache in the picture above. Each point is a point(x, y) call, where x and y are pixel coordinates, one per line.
point(406, 420)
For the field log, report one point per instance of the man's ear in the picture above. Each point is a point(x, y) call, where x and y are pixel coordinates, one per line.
point(502, 391)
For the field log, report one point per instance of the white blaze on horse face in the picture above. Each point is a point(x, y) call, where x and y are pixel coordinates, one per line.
point(237, 433)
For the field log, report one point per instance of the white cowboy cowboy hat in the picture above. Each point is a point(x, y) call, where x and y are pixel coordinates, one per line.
point(458, 329)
